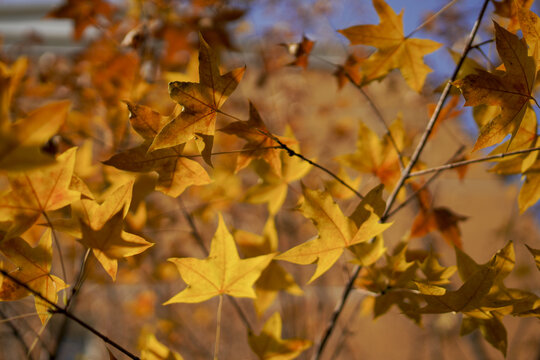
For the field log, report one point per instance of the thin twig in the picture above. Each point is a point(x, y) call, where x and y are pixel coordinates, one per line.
point(416, 155)
point(197, 235)
point(57, 244)
point(63, 311)
point(425, 185)
point(379, 116)
point(218, 327)
point(194, 231)
point(70, 301)
point(233, 151)
point(475, 46)
point(436, 113)
point(291, 152)
point(16, 333)
point(335, 315)
point(472, 161)
point(20, 316)
point(431, 18)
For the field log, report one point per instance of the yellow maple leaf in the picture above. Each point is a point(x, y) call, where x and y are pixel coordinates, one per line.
point(530, 27)
point(21, 141)
point(152, 349)
point(274, 186)
point(222, 272)
point(269, 345)
point(511, 90)
point(176, 172)
point(101, 229)
point(32, 267)
point(10, 79)
point(274, 278)
point(35, 192)
point(378, 156)
point(336, 231)
point(201, 101)
point(396, 51)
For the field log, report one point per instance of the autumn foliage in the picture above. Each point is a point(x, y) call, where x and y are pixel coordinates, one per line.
point(151, 127)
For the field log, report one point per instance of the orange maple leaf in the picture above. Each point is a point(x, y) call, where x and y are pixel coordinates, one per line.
point(349, 70)
point(21, 141)
point(259, 145)
point(436, 218)
point(300, 51)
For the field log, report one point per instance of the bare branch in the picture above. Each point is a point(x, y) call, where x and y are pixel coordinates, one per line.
point(66, 313)
point(472, 161)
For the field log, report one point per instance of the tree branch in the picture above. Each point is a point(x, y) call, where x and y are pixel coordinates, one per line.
point(379, 116)
point(197, 235)
point(16, 333)
point(472, 161)
point(429, 181)
point(66, 313)
point(291, 152)
point(416, 155)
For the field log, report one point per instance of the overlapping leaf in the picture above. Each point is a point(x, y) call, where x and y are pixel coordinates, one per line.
point(32, 267)
point(83, 13)
point(269, 345)
point(201, 101)
point(273, 188)
point(274, 278)
point(336, 231)
point(511, 89)
point(35, 192)
point(102, 227)
point(176, 172)
point(378, 156)
point(439, 218)
point(259, 145)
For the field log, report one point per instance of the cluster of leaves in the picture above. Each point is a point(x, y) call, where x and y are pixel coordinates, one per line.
point(56, 192)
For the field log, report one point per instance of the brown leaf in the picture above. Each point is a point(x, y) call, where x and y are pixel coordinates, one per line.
point(83, 13)
point(300, 51)
point(511, 90)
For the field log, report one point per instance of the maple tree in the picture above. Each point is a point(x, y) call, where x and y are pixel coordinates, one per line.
point(123, 167)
